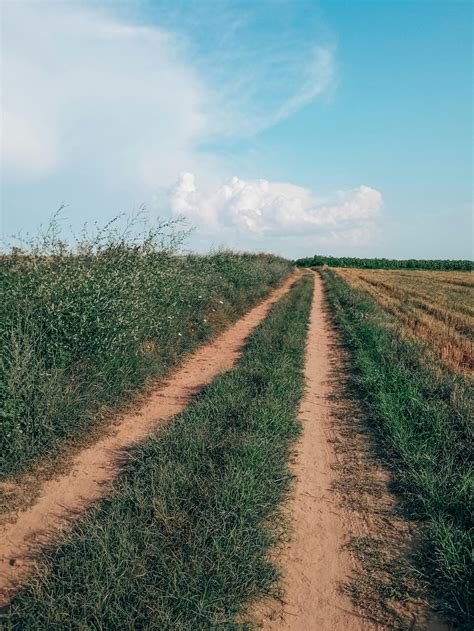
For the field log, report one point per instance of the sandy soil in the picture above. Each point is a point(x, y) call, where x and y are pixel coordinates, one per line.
point(314, 562)
point(89, 478)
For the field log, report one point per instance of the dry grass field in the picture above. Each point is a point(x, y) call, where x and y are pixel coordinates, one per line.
point(435, 306)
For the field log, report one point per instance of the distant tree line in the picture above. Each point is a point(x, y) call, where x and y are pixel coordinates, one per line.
point(350, 261)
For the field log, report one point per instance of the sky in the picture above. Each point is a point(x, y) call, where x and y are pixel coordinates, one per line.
point(290, 126)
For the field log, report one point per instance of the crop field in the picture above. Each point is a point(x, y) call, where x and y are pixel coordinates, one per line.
point(437, 307)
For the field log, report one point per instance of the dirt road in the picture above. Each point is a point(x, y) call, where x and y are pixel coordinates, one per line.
point(314, 562)
point(65, 498)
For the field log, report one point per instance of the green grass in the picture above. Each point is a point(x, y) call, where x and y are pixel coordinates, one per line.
point(421, 415)
point(84, 327)
point(184, 541)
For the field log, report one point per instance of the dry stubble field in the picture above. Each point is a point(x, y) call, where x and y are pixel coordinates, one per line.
point(433, 306)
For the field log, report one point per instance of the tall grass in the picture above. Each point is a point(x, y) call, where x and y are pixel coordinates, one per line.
point(183, 542)
point(84, 326)
point(422, 415)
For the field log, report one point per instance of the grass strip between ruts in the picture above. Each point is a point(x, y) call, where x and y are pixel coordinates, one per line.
point(183, 542)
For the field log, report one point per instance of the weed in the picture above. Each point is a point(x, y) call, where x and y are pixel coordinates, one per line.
point(85, 326)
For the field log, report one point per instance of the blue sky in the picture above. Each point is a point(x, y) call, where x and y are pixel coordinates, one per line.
point(295, 127)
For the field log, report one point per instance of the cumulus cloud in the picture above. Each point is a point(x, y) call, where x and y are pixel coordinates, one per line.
point(261, 207)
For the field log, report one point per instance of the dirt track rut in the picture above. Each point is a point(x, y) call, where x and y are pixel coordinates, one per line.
point(314, 562)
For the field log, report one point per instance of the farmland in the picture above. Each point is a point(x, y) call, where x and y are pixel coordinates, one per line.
point(433, 306)
point(191, 369)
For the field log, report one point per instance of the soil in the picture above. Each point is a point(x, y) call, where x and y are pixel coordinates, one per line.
point(315, 562)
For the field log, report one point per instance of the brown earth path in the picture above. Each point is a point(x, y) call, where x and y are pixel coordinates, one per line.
point(314, 562)
point(89, 478)
point(341, 495)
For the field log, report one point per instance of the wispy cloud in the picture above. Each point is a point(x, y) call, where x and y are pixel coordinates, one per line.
point(262, 79)
point(319, 75)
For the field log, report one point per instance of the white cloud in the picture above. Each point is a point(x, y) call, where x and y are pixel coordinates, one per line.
point(82, 90)
point(92, 100)
point(261, 207)
point(25, 145)
point(276, 85)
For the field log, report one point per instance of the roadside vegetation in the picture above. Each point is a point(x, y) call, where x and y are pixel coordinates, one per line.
point(420, 411)
point(350, 261)
point(433, 306)
point(85, 325)
point(183, 542)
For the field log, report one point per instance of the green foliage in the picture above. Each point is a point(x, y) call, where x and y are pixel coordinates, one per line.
point(83, 327)
point(421, 412)
point(350, 261)
point(183, 542)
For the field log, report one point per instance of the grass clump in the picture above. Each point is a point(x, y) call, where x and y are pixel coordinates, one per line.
point(183, 542)
point(421, 413)
point(85, 326)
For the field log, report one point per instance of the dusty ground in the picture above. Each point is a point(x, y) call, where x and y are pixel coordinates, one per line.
point(66, 497)
point(346, 565)
point(315, 562)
